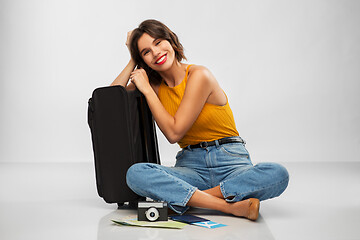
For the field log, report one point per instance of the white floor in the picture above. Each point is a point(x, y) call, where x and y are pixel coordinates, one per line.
point(59, 201)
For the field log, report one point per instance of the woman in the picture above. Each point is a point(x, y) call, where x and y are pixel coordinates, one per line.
point(213, 169)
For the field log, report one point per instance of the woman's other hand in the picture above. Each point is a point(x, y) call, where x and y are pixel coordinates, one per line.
point(127, 43)
point(141, 80)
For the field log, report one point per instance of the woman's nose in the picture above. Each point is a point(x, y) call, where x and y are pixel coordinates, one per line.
point(156, 54)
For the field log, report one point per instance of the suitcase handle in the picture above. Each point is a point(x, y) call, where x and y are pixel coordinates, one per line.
point(90, 112)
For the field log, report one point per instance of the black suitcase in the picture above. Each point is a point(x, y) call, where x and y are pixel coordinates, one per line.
point(123, 133)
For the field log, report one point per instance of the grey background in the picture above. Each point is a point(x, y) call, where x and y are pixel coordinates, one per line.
point(291, 70)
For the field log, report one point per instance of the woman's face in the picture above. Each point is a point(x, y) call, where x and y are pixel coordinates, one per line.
point(158, 54)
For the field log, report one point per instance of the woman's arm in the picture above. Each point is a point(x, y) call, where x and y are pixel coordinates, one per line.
point(199, 87)
point(124, 76)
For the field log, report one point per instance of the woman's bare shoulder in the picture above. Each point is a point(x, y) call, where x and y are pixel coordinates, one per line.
point(201, 72)
point(198, 68)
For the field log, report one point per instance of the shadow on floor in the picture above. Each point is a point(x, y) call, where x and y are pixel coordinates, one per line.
point(237, 228)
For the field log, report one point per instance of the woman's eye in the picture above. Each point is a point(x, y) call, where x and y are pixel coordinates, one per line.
point(158, 42)
point(146, 52)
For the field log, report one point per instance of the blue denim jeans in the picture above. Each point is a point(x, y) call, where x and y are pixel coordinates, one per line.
point(227, 165)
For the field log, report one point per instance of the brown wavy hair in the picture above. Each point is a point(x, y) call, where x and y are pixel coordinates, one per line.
point(157, 30)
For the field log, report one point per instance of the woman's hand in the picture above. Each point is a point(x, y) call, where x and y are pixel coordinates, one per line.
point(123, 77)
point(141, 80)
point(127, 43)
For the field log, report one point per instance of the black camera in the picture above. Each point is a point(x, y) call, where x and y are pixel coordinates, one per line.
point(152, 211)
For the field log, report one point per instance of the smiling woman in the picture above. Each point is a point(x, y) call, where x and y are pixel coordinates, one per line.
point(213, 169)
point(159, 39)
point(157, 52)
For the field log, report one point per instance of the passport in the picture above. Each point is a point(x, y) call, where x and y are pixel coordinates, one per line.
point(188, 219)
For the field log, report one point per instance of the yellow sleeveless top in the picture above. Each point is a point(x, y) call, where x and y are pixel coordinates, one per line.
point(214, 122)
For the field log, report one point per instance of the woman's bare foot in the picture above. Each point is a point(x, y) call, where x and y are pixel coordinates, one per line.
point(248, 208)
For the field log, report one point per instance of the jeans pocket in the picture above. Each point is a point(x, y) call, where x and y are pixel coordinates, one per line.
point(235, 150)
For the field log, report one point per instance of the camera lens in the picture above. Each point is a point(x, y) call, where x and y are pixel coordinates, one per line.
point(152, 214)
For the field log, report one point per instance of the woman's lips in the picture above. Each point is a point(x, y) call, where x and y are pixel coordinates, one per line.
point(161, 60)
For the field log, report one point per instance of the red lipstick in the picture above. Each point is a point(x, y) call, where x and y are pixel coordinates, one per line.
point(161, 60)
